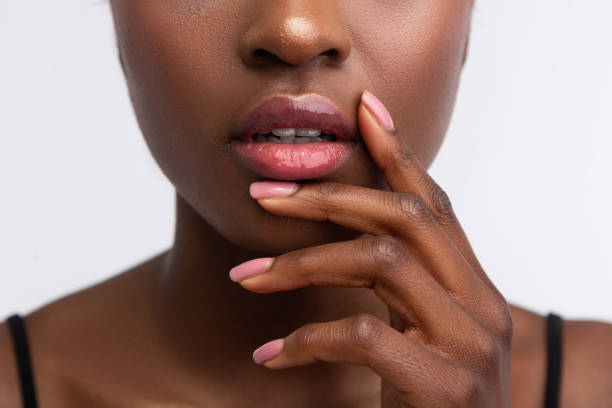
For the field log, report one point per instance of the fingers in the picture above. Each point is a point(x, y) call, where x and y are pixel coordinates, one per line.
point(365, 340)
point(378, 212)
point(360, 208)
point(383, 264)
point(404, 173)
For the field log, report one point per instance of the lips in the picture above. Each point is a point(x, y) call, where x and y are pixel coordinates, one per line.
point(294, 161)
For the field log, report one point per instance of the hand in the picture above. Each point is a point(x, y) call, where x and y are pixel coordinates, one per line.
point(449, 338)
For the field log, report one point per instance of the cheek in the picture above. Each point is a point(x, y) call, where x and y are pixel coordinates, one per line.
point(175, 68)
point(176, 73)
point(415, 58)
point(173, 82)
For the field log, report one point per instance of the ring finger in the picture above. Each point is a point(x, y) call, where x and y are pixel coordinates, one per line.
point(380, 263)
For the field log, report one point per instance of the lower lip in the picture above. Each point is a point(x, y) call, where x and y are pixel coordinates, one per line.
point(293, 161)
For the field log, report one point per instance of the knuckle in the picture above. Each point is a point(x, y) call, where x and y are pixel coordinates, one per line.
point(404, 156)
point(325, 190)
point(482, 352)
point(388, 251)
point(502, 323)
point(413, 207)
point(466, 390)
point(365, 329)
point(300, 262)
point(299, 259)
point(440, 201)
point(308, 336)
point(489, 349)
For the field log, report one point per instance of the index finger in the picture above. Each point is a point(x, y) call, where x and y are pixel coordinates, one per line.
point(404, 173)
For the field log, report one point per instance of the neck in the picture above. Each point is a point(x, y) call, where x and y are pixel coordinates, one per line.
point(200, 311)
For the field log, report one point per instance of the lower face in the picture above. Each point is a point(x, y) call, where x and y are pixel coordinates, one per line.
point(195, 67)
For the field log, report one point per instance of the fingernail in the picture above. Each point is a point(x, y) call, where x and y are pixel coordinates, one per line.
point(250, 268)
point(378, 109)
point(271, 189)
point(268, 351)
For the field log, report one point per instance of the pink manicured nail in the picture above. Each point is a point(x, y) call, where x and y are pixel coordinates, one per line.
point(268, 351)
point(249, 269)
point(270, 189)
point(377, 108)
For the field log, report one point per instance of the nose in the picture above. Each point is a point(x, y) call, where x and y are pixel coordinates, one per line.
point(295, 32)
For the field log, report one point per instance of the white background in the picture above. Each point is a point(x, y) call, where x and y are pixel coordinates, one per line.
point(526, 161)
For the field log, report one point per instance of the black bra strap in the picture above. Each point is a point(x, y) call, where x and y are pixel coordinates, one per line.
point(20, 341)
point(553, 379)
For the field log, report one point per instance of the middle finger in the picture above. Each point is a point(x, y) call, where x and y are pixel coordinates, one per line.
point(380, 212)
point(379, 263)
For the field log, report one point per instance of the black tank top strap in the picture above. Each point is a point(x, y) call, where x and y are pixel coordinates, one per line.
point(24, 366)
point(555, 348)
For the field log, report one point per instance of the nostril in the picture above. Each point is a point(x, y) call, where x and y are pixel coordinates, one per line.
point(262, 56)
point(261, 53)
point(332, 53)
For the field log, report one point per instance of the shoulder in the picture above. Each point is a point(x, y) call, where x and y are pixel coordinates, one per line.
point(586, 373)
point(49, 381)
point(74, 341)
point(587, 363)
point(9, 381)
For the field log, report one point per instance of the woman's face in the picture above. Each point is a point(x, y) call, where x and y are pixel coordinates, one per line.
point(194, 68)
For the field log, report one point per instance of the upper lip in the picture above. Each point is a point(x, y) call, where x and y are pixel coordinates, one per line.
point(281, 111)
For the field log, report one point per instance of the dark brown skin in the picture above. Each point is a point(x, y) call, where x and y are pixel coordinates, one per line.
point(176, 331)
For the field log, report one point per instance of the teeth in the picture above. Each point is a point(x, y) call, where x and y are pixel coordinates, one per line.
point(308, 132)
point(283, 132)
point(293, 136)
point(289, 132)
point(287, 140)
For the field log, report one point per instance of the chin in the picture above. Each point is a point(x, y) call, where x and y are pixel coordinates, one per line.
point(276, 235)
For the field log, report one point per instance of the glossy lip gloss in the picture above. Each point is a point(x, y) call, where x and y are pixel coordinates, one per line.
point(285, 161)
